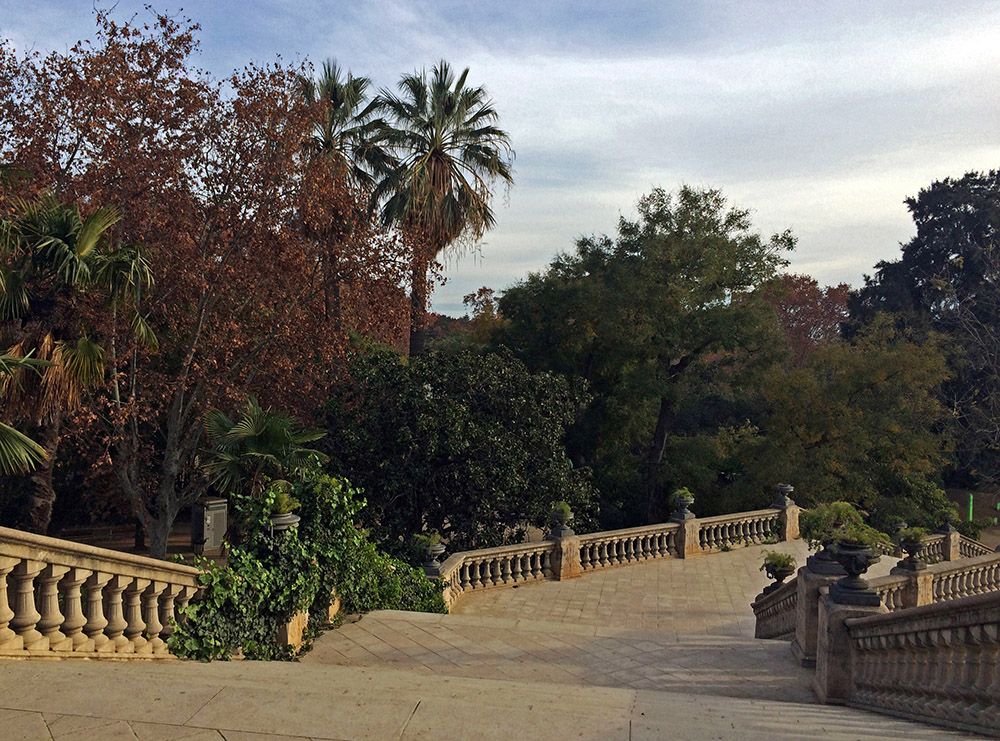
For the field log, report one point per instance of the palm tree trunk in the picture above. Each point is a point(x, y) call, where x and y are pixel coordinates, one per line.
point(42, 493)
point(418, 304)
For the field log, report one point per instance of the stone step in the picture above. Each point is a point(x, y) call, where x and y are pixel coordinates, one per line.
point(188, 700)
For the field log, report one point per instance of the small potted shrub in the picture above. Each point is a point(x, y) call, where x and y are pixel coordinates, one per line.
point(283, 506)
point(777, 566)
point(911, 541)
point(559, 519)
point(817, 526)
point(430, 546)
point(682, 500)
point(856, 546)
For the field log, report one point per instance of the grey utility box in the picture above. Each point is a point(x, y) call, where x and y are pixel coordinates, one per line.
point(209, 521)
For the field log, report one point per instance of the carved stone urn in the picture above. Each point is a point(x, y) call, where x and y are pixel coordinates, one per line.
point(823, 562)
point(913, 548)
point(779, 574)
point(559, 522)
point(852, 589)
point(284, 521)
point(433, 551)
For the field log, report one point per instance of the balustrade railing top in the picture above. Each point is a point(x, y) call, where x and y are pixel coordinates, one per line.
point(68, 599)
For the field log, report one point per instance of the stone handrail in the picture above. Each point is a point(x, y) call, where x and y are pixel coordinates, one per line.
point(775, 612)
point(620, 547)
point(566, 555)
point(469, 571)
point(969, 548)
point(893, 591)
point(938, 663)
point(60, 598)
point(965, 578)
point(743, 528)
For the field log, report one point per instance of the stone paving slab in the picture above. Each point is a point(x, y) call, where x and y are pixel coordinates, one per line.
point(254, 701)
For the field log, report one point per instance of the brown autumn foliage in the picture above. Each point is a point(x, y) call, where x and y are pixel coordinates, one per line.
point(212, 180)
point(810, 316)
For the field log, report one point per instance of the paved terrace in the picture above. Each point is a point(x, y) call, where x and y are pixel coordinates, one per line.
point(656, 650)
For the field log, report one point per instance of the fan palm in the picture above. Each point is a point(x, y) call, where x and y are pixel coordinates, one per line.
point(260, 444)
point(18, 452)
point(449, 154)
point(49, 254)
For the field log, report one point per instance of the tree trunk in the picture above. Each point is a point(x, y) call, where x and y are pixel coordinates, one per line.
point(42, 494)
point(158, 531)
point(654, 457)
point(418, 305)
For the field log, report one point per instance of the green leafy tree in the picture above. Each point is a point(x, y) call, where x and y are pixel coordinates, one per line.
point(468, 444)
point(860, 422)
point(659, 321)
point(449, 154)
point(947, 279)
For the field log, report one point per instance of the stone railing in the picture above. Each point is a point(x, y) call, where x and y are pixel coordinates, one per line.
point(745, 528)
point(969, 548)
point(469, 571)
point(621, 547)
point(965, 578)
point(775, 612)
point(568, 555)
point(60, 598)
point(939, 663)
point(894, 591)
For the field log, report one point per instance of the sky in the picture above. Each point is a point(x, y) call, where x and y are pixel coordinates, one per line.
point(820, 117)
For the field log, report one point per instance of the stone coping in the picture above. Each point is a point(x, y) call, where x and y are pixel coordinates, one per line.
point(456, 560)
point(979, 608)
point(738, 516)
point(19, 544)
point(629, 532)
point(782, 592)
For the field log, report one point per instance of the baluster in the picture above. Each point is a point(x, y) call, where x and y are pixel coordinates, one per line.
point(150, 607)
point(494, 572)
point(628, 551)
point(585, 556)
point(167, 617)
point(93, 608)
point(463, 576)
point(134, 616)
point(115, 615)
point(602, 553)
point(9, 640)
point(504, 565)
point(26, 617)
point(74, 619)
point(536, 565)
point(47, 602)
point(515, 571)
point(546, 565)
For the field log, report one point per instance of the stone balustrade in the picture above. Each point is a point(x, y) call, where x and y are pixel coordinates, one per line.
point(630, 545)
point(469, 571)
point(568, 555)
point(965, 578)
point(724, 532)
point(938, 663)
point(969, 548)
point(59, 598)
point(775, 612)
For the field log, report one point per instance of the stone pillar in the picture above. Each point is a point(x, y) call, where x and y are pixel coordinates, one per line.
point(293, 632)
point(74, 619)
point(832, 683)
point(952, 543)
point(808, 584)
point(688, 540)
point(789, 511)
point(26, 616)
point(48, 605)
point(566, 560)
point(9, 640)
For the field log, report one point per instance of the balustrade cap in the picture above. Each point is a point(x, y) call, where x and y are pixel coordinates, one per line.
point(21, 544)
point(782, 592)
point(738, 516)
point(950, 610)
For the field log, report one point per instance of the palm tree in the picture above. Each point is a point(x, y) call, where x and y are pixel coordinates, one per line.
point(348, 137)
point(347, 131)
point(18, 452)
point(450, 153)
point(260, 444)
point(49, 254)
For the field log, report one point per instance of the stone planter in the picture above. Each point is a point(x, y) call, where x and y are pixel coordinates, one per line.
point(779, 574)
point(824, 563)
point(683, 511)
point(912, 562)
point(559, 524)
point(855, 559)
point(284, 521)
point(433, 551)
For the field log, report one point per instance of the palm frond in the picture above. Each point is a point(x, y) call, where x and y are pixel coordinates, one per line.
point(18, 452)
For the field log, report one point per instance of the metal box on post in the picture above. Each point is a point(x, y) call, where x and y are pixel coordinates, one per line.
point(209, 520)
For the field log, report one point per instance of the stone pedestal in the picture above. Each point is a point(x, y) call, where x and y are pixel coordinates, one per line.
point(292, 633)
point(807, 601)
point(688, 542)
point(832, 683)
point(566, 561)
